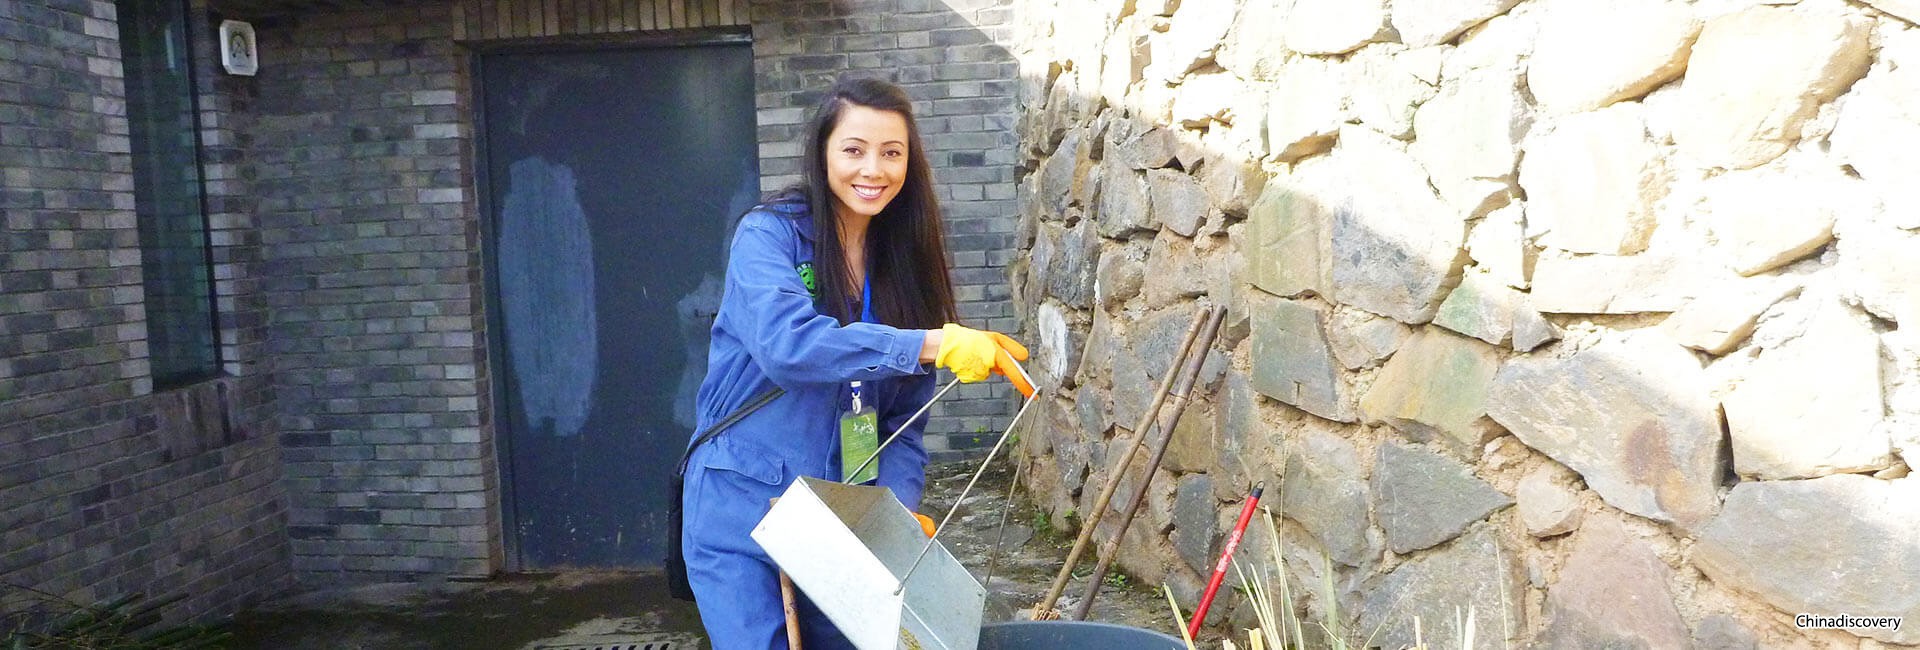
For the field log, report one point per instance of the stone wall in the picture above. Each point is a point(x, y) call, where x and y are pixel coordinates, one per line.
point(951, 57)
point(1586, 315)
point(107, 486)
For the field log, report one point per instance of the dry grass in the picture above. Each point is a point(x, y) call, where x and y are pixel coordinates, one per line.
point(1276, 610)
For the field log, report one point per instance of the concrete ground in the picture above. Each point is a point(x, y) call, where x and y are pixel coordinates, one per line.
point(565, 610)
point(598, 610)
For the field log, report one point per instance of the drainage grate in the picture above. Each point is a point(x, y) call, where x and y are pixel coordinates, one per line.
point(616, 643)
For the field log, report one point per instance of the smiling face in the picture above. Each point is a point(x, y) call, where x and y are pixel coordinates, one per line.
point(866, 160)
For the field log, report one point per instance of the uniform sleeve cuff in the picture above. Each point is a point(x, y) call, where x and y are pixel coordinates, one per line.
point(906, 352)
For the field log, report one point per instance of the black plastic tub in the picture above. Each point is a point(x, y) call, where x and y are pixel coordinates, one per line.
point(1073, 635)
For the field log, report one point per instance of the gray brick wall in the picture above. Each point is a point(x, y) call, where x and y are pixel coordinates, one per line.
point(950, 57)
point(348, 439)
point(106, 487)
point(359, 145)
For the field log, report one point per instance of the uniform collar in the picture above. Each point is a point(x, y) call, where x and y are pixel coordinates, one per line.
point(794, 206)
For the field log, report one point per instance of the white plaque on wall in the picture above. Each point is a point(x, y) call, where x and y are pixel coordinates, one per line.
point(237, 52)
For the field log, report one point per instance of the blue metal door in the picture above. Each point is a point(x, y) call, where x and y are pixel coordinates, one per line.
point(612, 178)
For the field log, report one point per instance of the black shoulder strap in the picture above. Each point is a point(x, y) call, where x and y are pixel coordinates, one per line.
point(731, 419)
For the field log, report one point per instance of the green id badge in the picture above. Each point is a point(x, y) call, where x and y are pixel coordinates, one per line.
point(859, 438)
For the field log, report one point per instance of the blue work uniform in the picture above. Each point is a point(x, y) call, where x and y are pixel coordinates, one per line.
point(769, 332)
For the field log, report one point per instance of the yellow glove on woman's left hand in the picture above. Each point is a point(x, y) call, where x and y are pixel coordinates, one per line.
point(968, 352)
point(973, 355)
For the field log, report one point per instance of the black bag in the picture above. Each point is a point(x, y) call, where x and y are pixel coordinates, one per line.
point(676, 559)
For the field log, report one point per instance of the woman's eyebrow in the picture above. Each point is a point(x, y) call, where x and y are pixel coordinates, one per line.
point(860, 140)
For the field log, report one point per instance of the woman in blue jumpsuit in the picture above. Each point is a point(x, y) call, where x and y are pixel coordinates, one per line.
point(837, 280)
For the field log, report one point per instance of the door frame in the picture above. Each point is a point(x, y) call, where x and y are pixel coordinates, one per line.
point(493, 329)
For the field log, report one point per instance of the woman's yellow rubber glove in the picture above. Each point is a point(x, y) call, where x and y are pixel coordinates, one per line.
point(973, 355)
point(926, 523)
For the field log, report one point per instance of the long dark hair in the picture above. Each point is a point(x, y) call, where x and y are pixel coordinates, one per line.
point(906, 250)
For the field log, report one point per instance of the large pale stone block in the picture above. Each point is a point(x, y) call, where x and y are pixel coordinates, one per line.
point(1291, 360)
point(1198, 28)
point(1333, 26)
point(1842, 543)
point(1878, 129)
point(1391, 84)
point(1723, 318)
point(1472, 572)
point(1435, 390)
point(1146, 356)
point(1031, 287)
point(1613, 593)
point(1096, 369)
point(1060, 430)
point(1244, 452)
point(1812, 406)
point(1432, 22)
point(1305, 109)
point(1123, 201)
point(1290, 226)
point(1059, 344)
point(1254, 49)
point(1582, 62)
point(1493, 312)
point(1325, 493)
point(1755, 77)
point(1232, 181)
point(1060, 175)
point(1360, 339)
point(1151, 148)
point(1068, 106)
point(1503, 43)
point(1765, 219)
point(1174, 271)
point(1592, 182)
point(1881, 271)
point(1469, 136)
point(1609, 284)
point(1070, 263)
point(1397, 251)
point(1191, 449)
point(1123, 60)
point(1118, 276)
point(1498, 245)
point(1227, 282)
point(1178, 200)
point(1424, 499)
point(1245, 131)
point(1204, 98)
point(1194, 522)
point(1531, 330)
point(1631, 414)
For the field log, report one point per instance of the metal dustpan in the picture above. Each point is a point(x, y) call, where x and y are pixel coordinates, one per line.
point(848, 546)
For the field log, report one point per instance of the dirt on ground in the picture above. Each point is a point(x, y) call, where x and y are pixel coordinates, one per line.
point(601, 609)
point(1028, 560)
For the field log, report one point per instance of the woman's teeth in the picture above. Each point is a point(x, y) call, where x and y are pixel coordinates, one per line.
point(868, 193)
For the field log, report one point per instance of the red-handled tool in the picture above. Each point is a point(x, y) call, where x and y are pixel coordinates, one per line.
point(1226, 557)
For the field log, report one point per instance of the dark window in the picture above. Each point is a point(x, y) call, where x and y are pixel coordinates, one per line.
point(163, 117)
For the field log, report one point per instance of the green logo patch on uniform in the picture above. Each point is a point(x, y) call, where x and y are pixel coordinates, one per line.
point(806, 278)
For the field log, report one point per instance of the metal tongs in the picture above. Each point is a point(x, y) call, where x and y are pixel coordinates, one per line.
point(976, 474)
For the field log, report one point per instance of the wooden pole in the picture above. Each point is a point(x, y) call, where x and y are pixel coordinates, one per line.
point(1044, 610)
